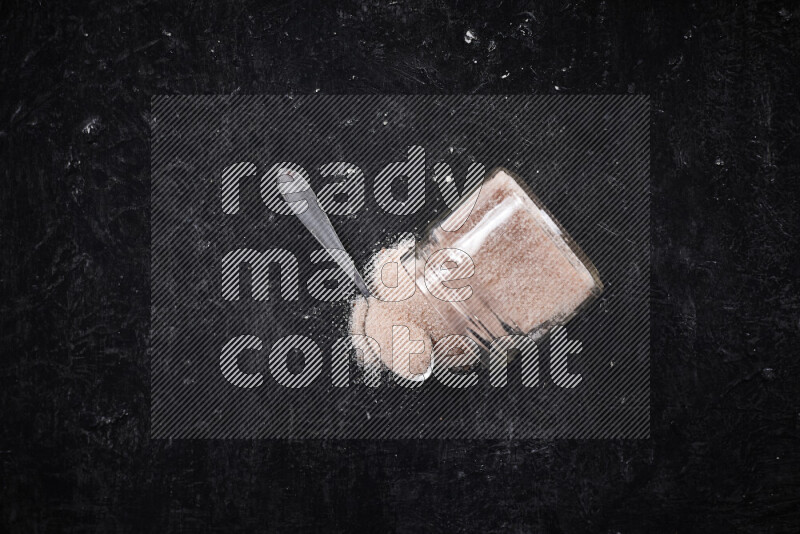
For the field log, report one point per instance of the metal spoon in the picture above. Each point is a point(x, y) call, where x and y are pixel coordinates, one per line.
point(303, 202)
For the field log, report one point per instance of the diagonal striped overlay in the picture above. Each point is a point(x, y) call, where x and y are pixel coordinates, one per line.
point(249, 316)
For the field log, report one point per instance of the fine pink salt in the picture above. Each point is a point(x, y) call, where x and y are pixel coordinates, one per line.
point(376, 318)
point(523, 267)
point(525, 272)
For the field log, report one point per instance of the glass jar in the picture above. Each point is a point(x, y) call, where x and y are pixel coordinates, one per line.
point(500, 264)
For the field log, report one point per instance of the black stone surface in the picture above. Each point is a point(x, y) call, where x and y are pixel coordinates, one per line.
point(75, 453)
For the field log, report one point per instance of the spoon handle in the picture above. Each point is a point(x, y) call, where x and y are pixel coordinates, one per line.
point(304, 204)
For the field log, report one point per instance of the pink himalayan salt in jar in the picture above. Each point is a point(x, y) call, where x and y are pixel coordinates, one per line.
point(498, 264)
point(528, 274)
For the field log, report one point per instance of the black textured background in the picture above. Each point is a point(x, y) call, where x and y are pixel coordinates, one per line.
point(76, 86)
